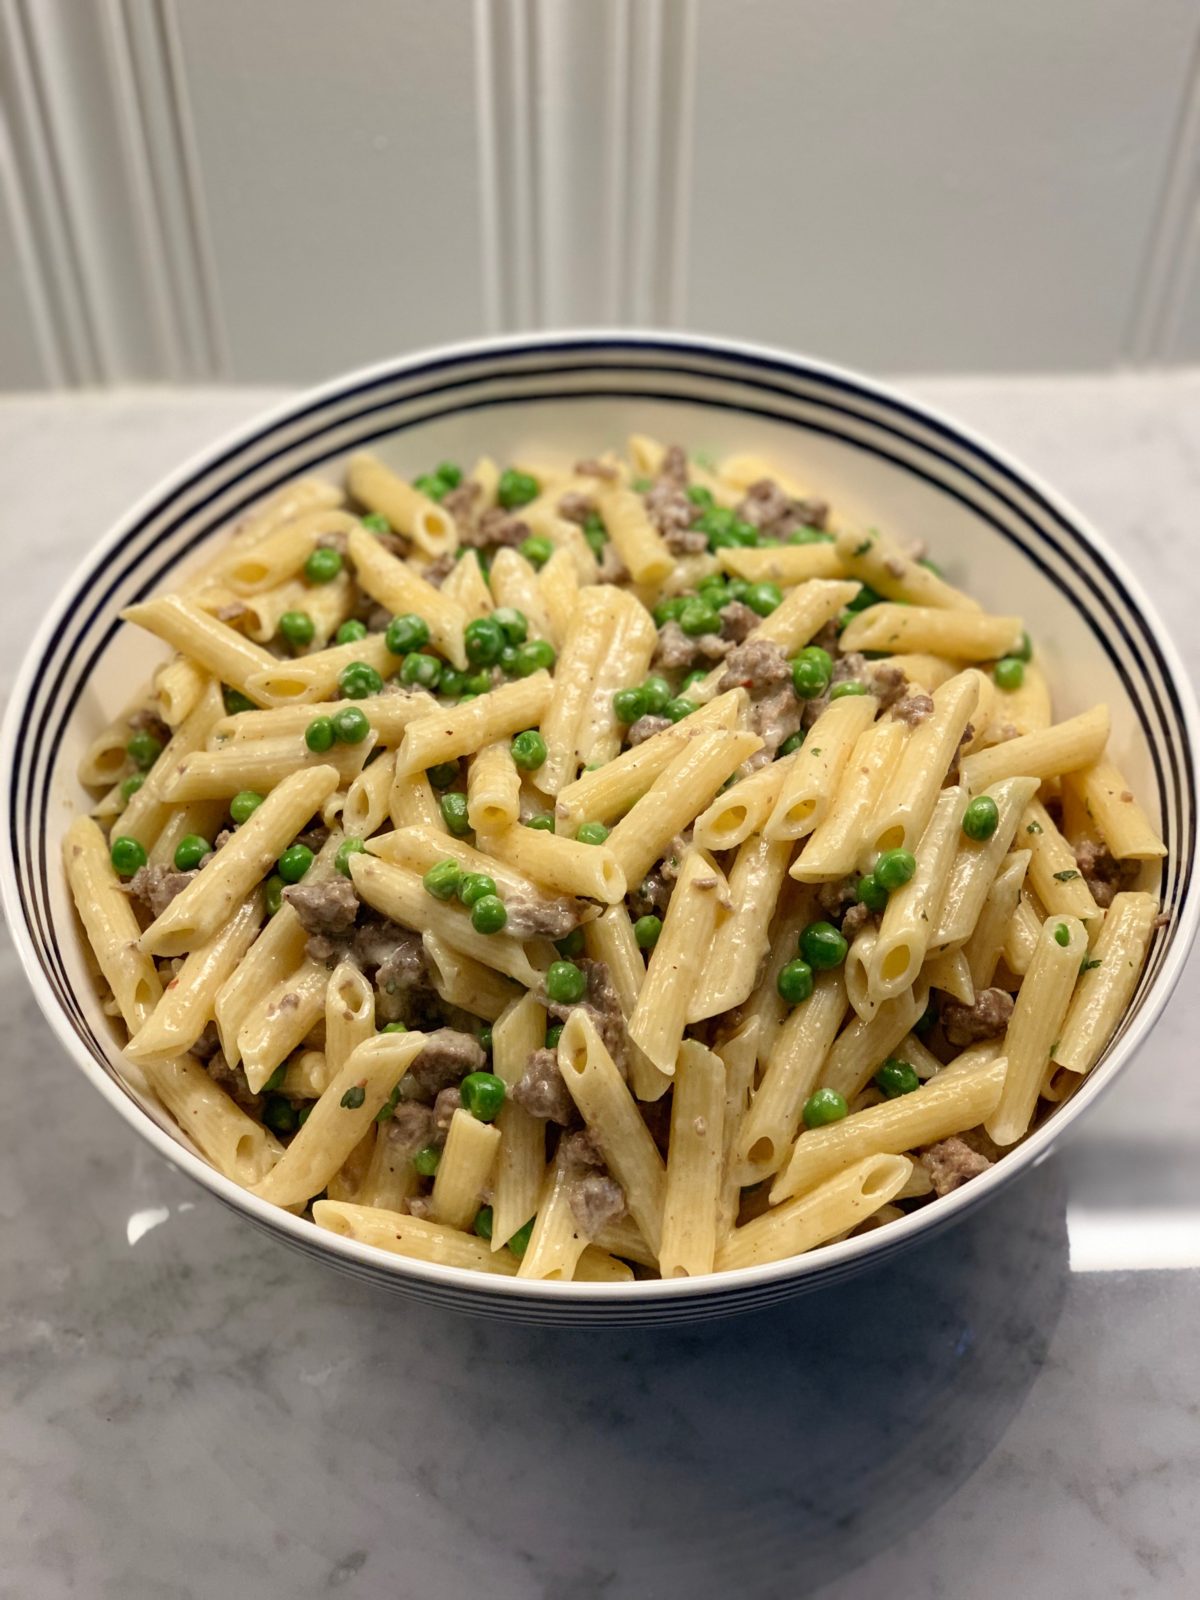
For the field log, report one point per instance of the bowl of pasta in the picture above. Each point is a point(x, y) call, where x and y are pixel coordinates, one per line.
point(601, 827)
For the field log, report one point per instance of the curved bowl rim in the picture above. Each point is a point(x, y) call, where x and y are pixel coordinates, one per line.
point(407, 1273)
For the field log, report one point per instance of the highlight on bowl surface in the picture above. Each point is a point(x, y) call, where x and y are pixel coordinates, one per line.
point(599, 871)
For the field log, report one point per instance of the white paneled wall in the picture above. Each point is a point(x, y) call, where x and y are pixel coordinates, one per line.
point(260, 190)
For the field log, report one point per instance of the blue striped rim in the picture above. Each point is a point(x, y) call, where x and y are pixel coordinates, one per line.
point(355, 415)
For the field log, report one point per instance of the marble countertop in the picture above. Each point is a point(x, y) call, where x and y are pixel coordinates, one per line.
point(192, 1412)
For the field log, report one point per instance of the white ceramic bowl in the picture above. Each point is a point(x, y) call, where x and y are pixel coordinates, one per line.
point(881, 458)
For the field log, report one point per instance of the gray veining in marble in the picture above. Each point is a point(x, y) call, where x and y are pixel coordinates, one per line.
point(191, 1412)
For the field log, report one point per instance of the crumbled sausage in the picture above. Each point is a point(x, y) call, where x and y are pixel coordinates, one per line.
point(738, 622)
point(677, 649)
point(233, 613)
point(495, 527)
point(766, 507)
point(460, 503)
point(954, 770)
point(438, 571)
point(652, 896)
point(757, 665)
point(154, 886)
point(335, 540)
point(400, 973)
point(541, 1090)
point(888, 685)
point(445, 1059)
point(856, 918)
point(913, 709)
point(447, 1103)
point(1104, 875)
point(234, 1082)
point(576, 507)
point(646, 727)
point(148, 721)
point(833, 898)
point(591, 468)
point(325, 905)
point(596, 1199)
point(530, 918)
point(410, 1127)
point(673, 465)
point(986, 1019)
point(602, 1006)
point(951, 1163)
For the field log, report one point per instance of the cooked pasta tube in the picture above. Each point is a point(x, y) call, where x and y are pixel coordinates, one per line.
point(739, 1057)
point(741, 941)
point(1107, 982)
point(637, 541)
point(986, 944)
point(1063, 747)
point(188, 1003)
point(808, 787)
point(1054, 874)
point(785, 565)
point(858, 964)
point(281, 555)
point(467, 587)
point(314, 677)
point(259, 765)
point(400, 895)
point(493, 789)
point(743, 809)
point(307, 1075)
point(589, 637)
point(793, 1070)
point(541, 518)
point(625, 663)
point(804, 612)
point(920, 771)
point(557, 1241)
point(840, 841)
point(795, 911)
point(281, 1021)
point(624, 1239)
point(412, 803)
point(109, 922)
point(394, 584)
point(237, 1146)
point(1023, 710)
point(610, 938)
point(106, 758)
point(955, 1100)
point(349, 1005)
point(886, 567)
point(975, 865)
point(390, 1179)
point(200, 817)
point(462, 981)
point(670, 990)
point(178, 683)
point(679, 792)
point(340, 1118)
point(186, 628)
point(833, 1208)
point(1036, 1023)
point(521, 1159)
point(409, 511)
point(558, 865)
point(366, 803)
point(387, 714)
point(149, 809)
point(863, 1047)
point(950, 971)
point(926, 671)
point(962, 635)
point(558, 585)
point(616, 1124)
point(515, 583)
point(461, 729)
point(597, 1266)
point(1108, 799)
point(278, 950)
point(411, 1236)
point(263, 519)
point(744, 469)
point(232, 871)
point(418, 848)
point(693, 1191)
point(602, 795)
point(912, 911)
point(467, 1161)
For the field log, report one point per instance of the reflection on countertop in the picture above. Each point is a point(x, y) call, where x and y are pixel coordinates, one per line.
point(193, 1411)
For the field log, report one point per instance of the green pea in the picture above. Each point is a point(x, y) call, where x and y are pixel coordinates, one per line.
point(536, 549)
point(442, 880)
point(675, 710)
point(1062, 935)
point(488, 914)
point(737, 588)
point(698, 618)
point(427, 1160)
point(1009, 673)
point(388, 1109)
point(517, 488)
point(717, 522)
point(629, 705)
point(536, 656)
point(865, 597)
point(275, 1081)
point(319, 735)
point(764, 597)
point(699, 495)
point(479, 682)
point(896, 1077)
point(822, 946)
point(927, 1019)
point(350, 632)
point(421, 670)
point(529, 750)
point(127, 855)
point(449, 472)
point(274, 893)
point(513, 623)
point(131, 785)
point(482, 1095)
point(824, 1106)
point(394, 1027)
point(519, 1242)
point(848, 686)
point(1024, 649)
point(430, 485)
point(280, 1114)
point(646, 931)
point(571, 945)
point(472, 886)
point(668, 610)
point(689, 678)
point(591, 833)
point(553, 1035)
point(443, 774)
point(454, 813)
point(642, 485)
point(406, 633)
point(655, 694)
point(144, 750)
point(809, 536)
point(191, 851)
point(542, 824)
point(566, 984)
point(294, 862)
point(485, 1040)
point(236, 701)
point(810, 675)
point(981, 818)
point(323, 565)
point(871, 893)
point(376, 522)
point(484, 640)
point(297, 627)
point(790, 744)
point(508, 659)
point(359, 680)
point(895, 868)
point(596, 535)
point(348, 847)
point(483, 1222)
point(350, 725)
point(795, 982)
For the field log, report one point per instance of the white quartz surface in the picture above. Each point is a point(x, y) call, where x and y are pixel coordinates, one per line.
point(189, 1411)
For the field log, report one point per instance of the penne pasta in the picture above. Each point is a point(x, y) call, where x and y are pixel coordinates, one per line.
point(1036, 1024)
point(1064, 747)
point(961, 635)
point(670, 989)
point(693, 1189)
point(833, 1208)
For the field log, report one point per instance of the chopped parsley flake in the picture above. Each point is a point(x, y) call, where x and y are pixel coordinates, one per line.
point(354, 1097)
point(1065, 877)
